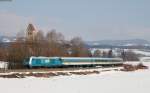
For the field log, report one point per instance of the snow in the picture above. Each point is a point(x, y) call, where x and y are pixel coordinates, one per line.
point(130, 44)
point(144, 59)
point(3, 65)
point(116, 51)
point(141, 52)
point(6, 40)
point(105, 82)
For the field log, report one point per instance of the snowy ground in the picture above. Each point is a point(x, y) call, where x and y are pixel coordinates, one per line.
point(105, 82)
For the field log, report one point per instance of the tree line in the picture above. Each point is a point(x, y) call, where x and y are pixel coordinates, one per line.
point(125, 55)
point(49, 45)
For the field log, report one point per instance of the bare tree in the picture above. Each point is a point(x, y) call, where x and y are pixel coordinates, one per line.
point(56, 44)
point(52, 36)
point(129, 56)
point(97, 53)
point(3, 54)
point(78, 47)
point(110, 53)
point(39, 36)
point(104, 54)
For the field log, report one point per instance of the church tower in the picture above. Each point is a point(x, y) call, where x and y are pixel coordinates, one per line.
point(31, 32)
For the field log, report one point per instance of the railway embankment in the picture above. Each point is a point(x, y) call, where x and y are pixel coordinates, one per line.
point(47, 73)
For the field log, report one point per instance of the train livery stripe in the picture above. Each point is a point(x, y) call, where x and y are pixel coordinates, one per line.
point(89, 63)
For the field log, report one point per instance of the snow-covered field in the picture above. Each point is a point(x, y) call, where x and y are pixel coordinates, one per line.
point(105, 82)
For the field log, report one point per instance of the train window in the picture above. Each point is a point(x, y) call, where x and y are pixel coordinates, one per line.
point(60, 59)
point(36, 61)
point(47, 61)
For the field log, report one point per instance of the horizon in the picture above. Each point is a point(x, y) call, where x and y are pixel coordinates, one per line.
point(91, 20)
point(92, 40)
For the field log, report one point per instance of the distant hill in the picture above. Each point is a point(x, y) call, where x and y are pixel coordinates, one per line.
point(6, 39)
point(119, 42)
point(132, 43)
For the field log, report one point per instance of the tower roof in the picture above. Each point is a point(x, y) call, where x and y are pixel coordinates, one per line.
point(31, 27)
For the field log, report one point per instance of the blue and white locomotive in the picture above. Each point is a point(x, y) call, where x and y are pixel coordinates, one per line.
point(70, 61)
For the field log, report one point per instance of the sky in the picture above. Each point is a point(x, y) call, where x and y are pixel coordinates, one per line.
point(90, 19)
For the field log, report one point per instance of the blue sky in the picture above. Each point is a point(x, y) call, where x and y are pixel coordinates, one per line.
point(89, 19)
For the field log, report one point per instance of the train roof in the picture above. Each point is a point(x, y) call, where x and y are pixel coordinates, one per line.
point(91, 58)
point(100, 58)
point(43, 57)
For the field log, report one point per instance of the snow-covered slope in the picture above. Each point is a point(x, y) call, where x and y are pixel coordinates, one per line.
point(141, 52)
point(107, 82)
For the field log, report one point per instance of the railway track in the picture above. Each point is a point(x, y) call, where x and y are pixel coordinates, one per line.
point(55, 69)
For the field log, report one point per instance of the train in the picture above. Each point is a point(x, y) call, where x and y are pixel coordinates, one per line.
point(32, 62)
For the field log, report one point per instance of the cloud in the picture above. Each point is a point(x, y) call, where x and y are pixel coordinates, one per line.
point(11, 23)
